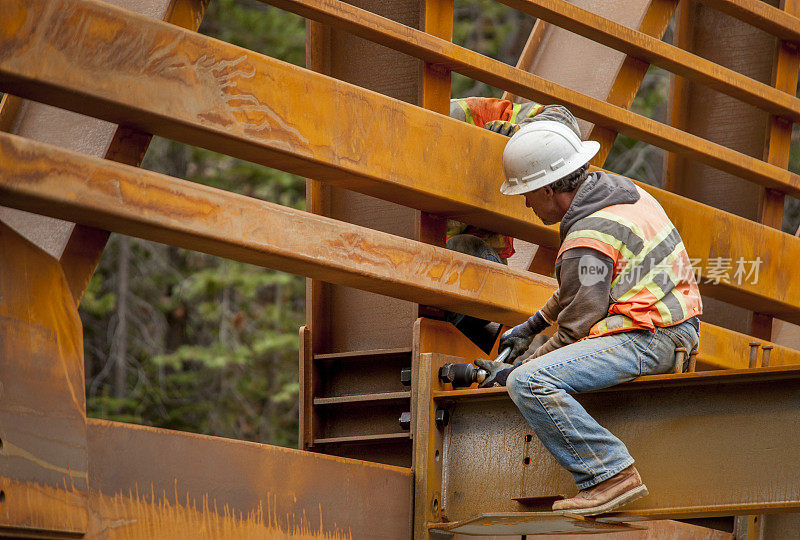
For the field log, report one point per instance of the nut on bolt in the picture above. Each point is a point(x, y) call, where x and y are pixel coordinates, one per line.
point(442, 418)
point(405, 376)
point(447, 373)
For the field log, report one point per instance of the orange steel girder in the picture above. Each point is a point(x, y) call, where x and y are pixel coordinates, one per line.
point(530, 86)
point(119, 205)
point(156, 483)
point(42, 179)
point(48, 394)
point(304, 137)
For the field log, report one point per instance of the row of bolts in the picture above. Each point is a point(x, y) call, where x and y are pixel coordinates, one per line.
point(754, 345)
point(680, 355)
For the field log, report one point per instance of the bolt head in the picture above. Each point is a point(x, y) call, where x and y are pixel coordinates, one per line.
point(442, 418)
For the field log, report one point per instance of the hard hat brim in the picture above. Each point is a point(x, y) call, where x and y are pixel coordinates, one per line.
point(588, 150)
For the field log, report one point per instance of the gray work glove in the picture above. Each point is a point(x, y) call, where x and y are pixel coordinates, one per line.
point(503, 127)
point(519, 338)
point(498, 372)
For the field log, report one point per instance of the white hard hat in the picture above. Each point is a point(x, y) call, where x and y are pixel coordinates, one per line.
point(541, 153)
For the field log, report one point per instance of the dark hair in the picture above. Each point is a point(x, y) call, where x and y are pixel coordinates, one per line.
point(572, 181)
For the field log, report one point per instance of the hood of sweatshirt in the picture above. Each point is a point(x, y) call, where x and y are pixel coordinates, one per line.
point(598, 191)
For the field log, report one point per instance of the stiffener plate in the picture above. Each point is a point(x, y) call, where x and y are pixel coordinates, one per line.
point(532, 523)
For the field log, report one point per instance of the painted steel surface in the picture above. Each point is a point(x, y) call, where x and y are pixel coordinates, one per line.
point(148, 205)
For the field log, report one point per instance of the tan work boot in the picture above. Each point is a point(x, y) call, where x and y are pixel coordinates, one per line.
point(620, 489)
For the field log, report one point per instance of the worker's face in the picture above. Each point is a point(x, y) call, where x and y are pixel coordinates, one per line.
point(543, 202)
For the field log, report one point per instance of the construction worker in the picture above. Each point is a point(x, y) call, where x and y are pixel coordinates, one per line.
point(503, 117)
point(627, 298)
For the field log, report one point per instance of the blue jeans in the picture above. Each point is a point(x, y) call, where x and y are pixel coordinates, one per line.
point(541, 390)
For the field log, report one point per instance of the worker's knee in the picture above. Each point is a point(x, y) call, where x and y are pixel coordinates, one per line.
point(528, 382)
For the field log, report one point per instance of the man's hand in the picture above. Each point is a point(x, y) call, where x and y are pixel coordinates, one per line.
point(518, 343)
point(519, 338)
point(503, 127)
point(497, 372)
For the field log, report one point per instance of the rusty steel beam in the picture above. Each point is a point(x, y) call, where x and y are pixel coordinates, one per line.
point(778, 148)
point(772, 374)
point(711, 233)
point(663, 55)
point(80, 249)
point(762, 15)
point(231, 102)
point(156, 483)
point(85, 246)
point(688, 442)
point(43, 455)
point(304, 136)
point(43, 447)
point(259, 109)
point(517, 82)
point(58, 183)
point(50, 181)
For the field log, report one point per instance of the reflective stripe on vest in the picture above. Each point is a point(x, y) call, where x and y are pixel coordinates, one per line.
point(467, 112)
point(514, 112)
point(613, 324)
point(537, 107)
point(653, 283)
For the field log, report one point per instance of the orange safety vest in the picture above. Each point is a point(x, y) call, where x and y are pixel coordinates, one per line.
point(653, 283)
point(480, 111)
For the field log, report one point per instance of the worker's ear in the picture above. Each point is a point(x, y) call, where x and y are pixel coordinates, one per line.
point(548, 191)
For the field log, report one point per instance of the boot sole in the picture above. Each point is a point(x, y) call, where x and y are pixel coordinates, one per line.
point(621, 500)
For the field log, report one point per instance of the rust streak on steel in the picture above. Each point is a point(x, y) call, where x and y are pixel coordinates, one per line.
point(237, 489)
point(43, 179)
point(236, 72)
point(524, 84)
point(658, 53)
point(49, 181)
point(43, 405)
point(85, 245)
point(256, 108)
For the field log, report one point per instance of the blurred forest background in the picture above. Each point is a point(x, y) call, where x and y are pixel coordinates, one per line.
point(186, 341)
